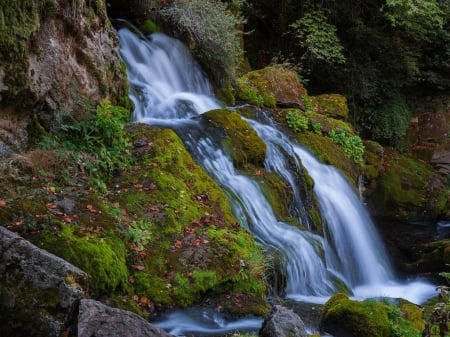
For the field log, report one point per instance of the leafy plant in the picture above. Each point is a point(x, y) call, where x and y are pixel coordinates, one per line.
point(297, 121)
point(319, 38)
point(214, 28)
point(139, 233)
point(351, 144)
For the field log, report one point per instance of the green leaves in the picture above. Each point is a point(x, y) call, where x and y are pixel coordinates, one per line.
point(351, 144)
point(420, 19)
point(319, 37)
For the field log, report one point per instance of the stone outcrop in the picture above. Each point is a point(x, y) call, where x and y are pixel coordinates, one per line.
point(38, 290)
point(282, 322)
point(55, 56)
point(98, 320)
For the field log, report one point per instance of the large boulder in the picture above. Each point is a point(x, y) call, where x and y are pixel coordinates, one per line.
point(54, 57)
point(38, 291)
point(282, 322)
point(98, 320)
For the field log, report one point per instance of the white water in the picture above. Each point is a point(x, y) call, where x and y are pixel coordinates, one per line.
point(168, 88)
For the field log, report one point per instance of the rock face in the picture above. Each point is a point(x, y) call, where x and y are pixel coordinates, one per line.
point(55, 56)
point(282, 322)
point(38, 290)
point(98, 320)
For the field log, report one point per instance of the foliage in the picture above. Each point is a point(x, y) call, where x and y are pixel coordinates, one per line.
point(297, 121)
point(351, 144)
point(101, 136)
point(391, 121)
point(319, 38)
point(399, 326)
point(213, 27)
point(138, 233)
point(439, 317)
point(420, 19)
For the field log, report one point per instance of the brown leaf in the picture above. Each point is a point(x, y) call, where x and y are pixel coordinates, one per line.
point(2, 203)
point(138, 267)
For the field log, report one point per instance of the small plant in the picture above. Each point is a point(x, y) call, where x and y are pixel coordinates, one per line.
point(138, 233)
point(317, 128)
point(297, 121)
point(351, 144)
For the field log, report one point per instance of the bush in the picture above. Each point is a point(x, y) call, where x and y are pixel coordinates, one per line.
point(391, 121)
point(214, 28)
point(297, 121)
point(319, 38)
point(351, 144)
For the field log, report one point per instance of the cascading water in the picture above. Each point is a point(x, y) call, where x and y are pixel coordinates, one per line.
point(168, 88)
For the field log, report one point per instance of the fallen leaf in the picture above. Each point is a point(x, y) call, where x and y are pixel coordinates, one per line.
point(138, 267)
point(2, 203)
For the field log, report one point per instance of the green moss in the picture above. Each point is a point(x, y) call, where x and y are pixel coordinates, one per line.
point(410, 189)
point(149, 27)
point(102, 257)
point(342, 316)
point(183, 261)
point(246, 149)
point(256, 89)
point(226, 94)
point(330, 153)
point(332, 105)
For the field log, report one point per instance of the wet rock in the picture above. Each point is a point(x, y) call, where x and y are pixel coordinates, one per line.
point(282, 322)
point(38, 290)
point(98, 320)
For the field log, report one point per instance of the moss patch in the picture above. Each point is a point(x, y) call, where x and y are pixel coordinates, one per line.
point(332, 105)
point(369, 318)
point(410, 189)
point(246, 149)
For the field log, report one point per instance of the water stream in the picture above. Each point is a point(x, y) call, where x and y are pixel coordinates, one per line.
point(168, 88)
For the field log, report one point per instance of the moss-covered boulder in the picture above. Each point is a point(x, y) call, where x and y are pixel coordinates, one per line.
point(194, 247)
point(238, 138)
point(369, 318)
point(409, 189)
point(331, 105)
point(55, 54)
point(270, 87)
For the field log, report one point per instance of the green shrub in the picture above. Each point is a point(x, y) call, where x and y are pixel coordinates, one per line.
point(319, 38)
point(297, 121)
point(214, 28)
point(391, 121)
point(351, 144)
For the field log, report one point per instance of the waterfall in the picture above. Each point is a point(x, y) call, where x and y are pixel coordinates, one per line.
point(168, 88)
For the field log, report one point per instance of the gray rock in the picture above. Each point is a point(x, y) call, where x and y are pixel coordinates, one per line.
point(282, 322)
point(38, 290)
point(98, 320)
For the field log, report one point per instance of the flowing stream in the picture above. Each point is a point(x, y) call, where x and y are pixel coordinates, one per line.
point(168, 88)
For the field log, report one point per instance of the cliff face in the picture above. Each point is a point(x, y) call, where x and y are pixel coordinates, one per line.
point(54, 56)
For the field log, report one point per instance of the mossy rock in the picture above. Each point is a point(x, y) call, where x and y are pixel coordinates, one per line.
point(329, 123)
point(410, 189)
point(196, 249)
point(369, 318)
point(246, 149)
point(102, 256)
point(331, 105)
point(270, 87)
point(330, 153)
